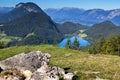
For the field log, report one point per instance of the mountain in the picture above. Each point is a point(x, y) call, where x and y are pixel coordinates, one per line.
point(38, 24)
point(116, 20)
point(4, 10)
point(34, 27)
point(20, 10)
point(64, 14)
point(69, 27)
point(105, 28)
point(87, 17)
point(93, 16)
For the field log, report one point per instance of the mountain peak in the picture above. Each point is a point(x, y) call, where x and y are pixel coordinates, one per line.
point(105, 24)
point(108, 23)
point(19, 5)
point(29, 6)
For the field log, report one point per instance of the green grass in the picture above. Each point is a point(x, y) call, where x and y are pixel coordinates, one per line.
point(87, 66)
point(6, 39)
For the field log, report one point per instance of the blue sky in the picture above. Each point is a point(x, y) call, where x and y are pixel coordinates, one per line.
point(86, 4)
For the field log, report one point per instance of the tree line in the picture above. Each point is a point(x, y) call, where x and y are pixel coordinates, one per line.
point(75, 45)
point(109, 45)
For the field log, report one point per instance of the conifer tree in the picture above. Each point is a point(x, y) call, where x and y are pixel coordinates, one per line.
point(109, 45)
point(2, 45)
point(76, 44)
point(55, 43)
point(68, 44)
point(99, 44)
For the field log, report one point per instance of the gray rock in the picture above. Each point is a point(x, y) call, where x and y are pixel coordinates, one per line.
point(43, 76)
point(61, 72)
point(34, 66)
point(29, 61)
point(57, 71)
point(43, 69)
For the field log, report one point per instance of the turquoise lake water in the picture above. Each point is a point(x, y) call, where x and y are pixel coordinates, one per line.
point(82, 41)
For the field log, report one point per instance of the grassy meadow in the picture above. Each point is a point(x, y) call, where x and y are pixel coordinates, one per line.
point(86, 66)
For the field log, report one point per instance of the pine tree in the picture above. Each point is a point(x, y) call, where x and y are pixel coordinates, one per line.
point(55, 43)
point(92, 49)
point(2, 45)
point(68, 44)
point(118, 45)
point(99, 44)
point(109, 45)
point(76, 44)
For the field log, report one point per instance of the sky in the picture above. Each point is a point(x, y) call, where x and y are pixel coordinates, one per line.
point(85, 4)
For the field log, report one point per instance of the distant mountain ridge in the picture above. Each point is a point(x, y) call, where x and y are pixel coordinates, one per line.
point(4, 10)
point(87, 17)
point(70, 28)
point(105, 29)
point(29, 22)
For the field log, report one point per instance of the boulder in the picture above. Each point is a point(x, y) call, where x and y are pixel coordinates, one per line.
point(26, 61)
point(32, 66)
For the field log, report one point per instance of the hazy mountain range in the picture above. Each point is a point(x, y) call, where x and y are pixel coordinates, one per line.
point(4, 10)
point(87, 17)
point(61, 15)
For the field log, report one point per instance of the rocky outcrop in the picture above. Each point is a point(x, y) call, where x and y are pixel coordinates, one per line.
point(26, 61)
point(32, 66)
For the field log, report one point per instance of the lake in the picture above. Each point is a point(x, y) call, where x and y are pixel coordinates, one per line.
point(82, 41)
